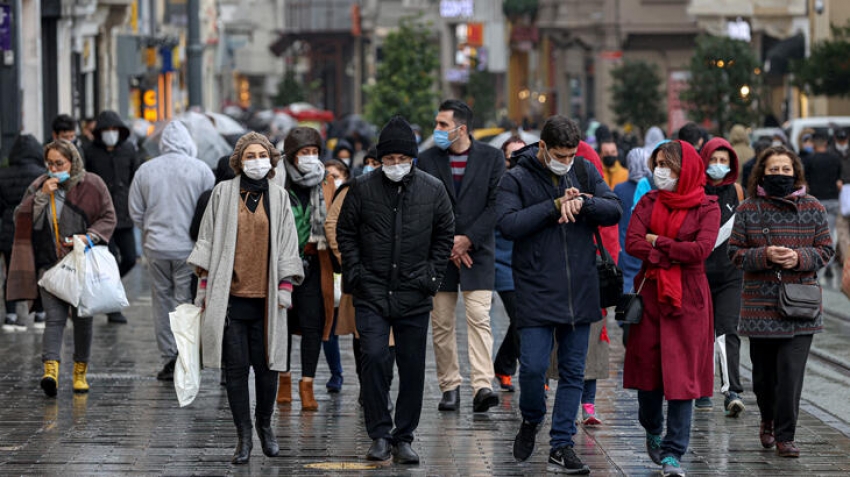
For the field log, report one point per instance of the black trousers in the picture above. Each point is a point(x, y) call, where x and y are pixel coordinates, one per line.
point(308, 316)
point(123, 246)
point(726, 298)
point(411, 338)
point(244, 346)
point(779, 366)
point(358, 361)
point(507, 357)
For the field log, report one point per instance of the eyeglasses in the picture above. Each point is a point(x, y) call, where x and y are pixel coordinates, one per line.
point(55, 165)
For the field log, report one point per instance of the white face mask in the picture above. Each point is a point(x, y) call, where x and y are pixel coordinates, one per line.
point(311, 163)
point(257, 168)
point(396, 172)
point(558, 168)
point(842, 147)
point(663, 180)
point(110, 138)
point(338, 183)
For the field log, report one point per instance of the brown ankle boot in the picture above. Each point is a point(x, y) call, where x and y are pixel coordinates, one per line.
point(308, 401)
point(284, 389)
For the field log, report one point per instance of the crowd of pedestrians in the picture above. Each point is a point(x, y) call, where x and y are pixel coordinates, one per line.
point(380, 244)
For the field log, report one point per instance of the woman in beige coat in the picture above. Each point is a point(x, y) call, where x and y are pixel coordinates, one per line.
point(247, 257)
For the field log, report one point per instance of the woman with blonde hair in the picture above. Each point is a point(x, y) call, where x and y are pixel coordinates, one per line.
point(66, 202)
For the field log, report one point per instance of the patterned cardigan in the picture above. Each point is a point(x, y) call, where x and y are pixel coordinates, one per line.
point(797, 222)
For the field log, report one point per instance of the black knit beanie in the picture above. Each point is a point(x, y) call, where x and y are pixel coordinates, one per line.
point(397, 138)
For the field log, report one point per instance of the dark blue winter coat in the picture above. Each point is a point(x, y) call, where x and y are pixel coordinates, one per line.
point(629, 265)
point(554, 264)
point(26, 164)
point(504, 273)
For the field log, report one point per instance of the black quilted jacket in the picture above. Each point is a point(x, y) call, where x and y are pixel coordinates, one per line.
point(395, 240)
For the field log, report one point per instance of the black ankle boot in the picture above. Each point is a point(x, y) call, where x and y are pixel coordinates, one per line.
point(243, 446)
point(267, 438)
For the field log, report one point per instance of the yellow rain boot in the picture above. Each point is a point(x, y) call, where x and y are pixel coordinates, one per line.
point(50, 380)
point(80, 384)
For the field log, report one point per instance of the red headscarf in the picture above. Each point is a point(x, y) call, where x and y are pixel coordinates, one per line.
point(669, 213)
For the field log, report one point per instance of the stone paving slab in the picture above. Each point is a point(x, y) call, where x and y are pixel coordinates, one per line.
point(130, 424)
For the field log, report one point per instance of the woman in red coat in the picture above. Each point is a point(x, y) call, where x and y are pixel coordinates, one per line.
point(669, 353)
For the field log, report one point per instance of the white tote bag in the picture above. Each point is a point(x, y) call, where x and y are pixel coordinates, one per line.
point(186, 327)
point(845, 200)
point(102, 291)
point(65, 279)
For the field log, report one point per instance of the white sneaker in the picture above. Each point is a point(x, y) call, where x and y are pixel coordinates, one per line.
point(12, 324)
point(38, 320)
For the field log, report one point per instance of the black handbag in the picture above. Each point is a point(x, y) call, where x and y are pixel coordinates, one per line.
point(610, 277)
point(630, 307)
point(797, 301)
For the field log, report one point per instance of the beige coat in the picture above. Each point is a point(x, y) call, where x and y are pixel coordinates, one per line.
point(215, 251)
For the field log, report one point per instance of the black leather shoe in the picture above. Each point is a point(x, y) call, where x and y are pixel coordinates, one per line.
point(267, 440)
point(243, 447)
point(118, 318)
point(380, 450)
point(485, 398)
point(167, 373)
point(450, 401)
point(403, 453)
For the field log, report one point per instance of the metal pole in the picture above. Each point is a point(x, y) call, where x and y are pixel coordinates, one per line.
point(194, 56)
point(10, 79)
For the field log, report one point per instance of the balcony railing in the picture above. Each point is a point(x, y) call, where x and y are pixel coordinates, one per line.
point(317, 16)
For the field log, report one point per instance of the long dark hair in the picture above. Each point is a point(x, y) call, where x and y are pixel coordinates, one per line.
point(761, 163)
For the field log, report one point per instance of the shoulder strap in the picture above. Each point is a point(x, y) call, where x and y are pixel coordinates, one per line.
point(740, 191)
point(581, 173)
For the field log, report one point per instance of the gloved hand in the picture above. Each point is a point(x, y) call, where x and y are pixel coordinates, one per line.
point(284, 298)
point(201, 295)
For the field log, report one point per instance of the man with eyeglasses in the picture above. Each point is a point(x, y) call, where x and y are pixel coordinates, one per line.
point(395, 234)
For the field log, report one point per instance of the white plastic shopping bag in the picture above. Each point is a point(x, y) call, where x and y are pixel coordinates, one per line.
point(65, 279)
point(102, 291)
point(186, 327)
point(844, 199)
point(337, 289)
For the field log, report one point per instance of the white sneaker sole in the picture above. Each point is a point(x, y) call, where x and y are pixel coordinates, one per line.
point(14, 328)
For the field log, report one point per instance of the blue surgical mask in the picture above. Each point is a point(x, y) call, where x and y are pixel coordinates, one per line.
point(718, 171)
point(441, 138)
point(368, 169)
point(62, 176)
point(808, 149)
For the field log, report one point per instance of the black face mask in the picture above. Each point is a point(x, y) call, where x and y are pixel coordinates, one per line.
point(778, 185)
point(609, 161)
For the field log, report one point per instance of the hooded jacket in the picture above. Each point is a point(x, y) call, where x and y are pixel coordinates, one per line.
point(740, 141)
point(165, 192)
point(653, 136)
point(116, 167)
point(26, 162)
point(554, 264)
point(719, 268)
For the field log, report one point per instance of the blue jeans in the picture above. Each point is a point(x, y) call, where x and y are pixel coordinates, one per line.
point(535, 348)
point(588, 395)
point(651, 415)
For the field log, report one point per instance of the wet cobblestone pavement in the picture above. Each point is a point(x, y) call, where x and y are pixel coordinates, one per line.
point(130, 423)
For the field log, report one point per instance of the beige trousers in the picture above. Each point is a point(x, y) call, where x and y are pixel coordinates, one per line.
point(479, 339)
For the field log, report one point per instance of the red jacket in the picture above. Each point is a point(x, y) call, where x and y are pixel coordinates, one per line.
point(610, 235)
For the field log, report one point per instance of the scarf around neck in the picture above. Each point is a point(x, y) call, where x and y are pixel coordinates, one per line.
point(669, 213)
point(318, 209)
